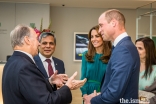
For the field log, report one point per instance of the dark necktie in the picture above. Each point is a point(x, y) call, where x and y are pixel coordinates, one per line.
point(50, 69)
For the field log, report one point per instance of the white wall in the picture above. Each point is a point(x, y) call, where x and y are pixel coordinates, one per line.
point(66, 21)
point(7, 20)
point(32, 13)
point(19, 13)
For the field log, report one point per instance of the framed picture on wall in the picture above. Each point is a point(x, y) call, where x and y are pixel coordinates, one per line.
point(80, 44)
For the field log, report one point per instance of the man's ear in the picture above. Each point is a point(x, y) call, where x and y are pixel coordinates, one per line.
point(26, 40)
point(113, 22)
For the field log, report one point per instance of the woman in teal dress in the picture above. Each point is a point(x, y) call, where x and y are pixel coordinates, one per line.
point(94, 62)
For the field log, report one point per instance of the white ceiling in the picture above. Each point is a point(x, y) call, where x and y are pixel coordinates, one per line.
point(128, 4)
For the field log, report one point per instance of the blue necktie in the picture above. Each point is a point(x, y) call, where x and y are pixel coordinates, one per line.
point(113, 48)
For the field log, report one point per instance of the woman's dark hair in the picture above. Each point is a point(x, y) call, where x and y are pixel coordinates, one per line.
point(91, 49)
point(150, 58)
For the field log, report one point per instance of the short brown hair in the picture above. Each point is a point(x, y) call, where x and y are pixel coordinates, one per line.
point(115, 14)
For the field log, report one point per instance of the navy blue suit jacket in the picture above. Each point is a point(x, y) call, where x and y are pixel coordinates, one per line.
point(23, 83)
point(59, 65)
point(122, 75)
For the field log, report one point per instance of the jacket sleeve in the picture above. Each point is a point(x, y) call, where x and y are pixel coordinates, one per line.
point(83, 74)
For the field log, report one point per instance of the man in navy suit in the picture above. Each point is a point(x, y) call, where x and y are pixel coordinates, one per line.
point(46, 49)
point(122, 74)
point(23, 82)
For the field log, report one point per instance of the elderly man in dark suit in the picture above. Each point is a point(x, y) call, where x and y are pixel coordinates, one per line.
point(24, 83)
point(122, 74)
point(46, 49)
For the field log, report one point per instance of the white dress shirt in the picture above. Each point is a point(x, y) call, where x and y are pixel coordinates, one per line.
point(120, 37)
point(45, 64)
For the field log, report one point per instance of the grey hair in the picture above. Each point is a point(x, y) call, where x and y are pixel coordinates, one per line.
point(18, 33)
point(45, 34)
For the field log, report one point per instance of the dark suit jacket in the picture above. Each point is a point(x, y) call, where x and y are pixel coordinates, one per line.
point(59, 65)
point(23, 83)
point(122, 75)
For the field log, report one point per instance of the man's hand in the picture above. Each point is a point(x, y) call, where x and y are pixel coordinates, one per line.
point(58, 79)
point(89, 97)
point(75, 84)
point(98, 93)
point(85, 96)
point(64, 77)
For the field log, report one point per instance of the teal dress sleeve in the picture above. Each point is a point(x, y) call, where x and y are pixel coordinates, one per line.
point(94, 72)
point(83, 73)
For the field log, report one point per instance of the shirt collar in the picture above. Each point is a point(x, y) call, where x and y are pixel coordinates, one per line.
point(44, 58)
point(120, 37)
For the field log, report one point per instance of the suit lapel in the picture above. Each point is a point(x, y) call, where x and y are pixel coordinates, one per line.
point(40, 65)
point(55, 63)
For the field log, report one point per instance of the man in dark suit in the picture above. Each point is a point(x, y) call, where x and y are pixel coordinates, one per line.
point(23, 82)
point(46, 49)
point(122, 74)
